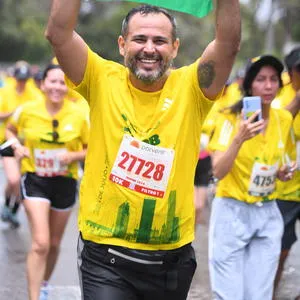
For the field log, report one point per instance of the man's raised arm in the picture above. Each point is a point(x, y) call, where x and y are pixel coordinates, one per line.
point(69, 48)
point(218, 58)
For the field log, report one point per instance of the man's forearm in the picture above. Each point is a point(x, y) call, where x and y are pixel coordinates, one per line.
point(228, 23)
point(62, 20)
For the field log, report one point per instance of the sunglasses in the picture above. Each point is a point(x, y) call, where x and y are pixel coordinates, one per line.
point(55, 134)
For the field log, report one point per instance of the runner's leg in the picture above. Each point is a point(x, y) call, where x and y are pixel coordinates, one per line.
point(262, 254)
point(229, 235)
point(38, 217)
point(12, 190)
point(58, 222)
point(13, 177)
point(200, 199)
point(290, 211)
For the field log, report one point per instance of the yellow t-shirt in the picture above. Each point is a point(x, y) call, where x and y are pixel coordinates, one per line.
point(231, 95)
point(111, 213)
point(76, 98)
point(32, 85)
point(9, 81)
point(10, 100)
point(2, 122)
point(290, 190)
point(35, 123)
point(267, 149)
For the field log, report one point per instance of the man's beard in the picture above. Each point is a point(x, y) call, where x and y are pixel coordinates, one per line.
point(151, 76)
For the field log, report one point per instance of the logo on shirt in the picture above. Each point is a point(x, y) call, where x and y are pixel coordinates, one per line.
point(68, 127)
point(135, 144)
point(167, 104)
point(225, 134)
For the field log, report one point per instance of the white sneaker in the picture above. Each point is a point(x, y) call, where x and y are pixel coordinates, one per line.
point(44, 292)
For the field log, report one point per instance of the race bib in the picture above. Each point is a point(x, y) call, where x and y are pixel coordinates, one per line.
point(142, 167)
point(263, 178)
point(47, 163)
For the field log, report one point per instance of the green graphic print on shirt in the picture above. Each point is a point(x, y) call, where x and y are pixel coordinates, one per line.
point(168, 233)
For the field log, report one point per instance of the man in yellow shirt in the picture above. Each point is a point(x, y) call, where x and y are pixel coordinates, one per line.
point(136, 206)
point(289, 192)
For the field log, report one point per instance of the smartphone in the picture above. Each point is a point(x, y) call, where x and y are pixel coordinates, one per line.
point(288, 162)
point(250, 106)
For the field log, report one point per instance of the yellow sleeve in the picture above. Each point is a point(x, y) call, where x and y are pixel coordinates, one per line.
point(16, 117)
point(223, 133)
point(85, 131)
point(96, 67)
point(203, 104)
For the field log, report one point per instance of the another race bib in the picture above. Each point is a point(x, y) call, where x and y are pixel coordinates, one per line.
point(142, 167)
point(47, 163)
point(263, 179)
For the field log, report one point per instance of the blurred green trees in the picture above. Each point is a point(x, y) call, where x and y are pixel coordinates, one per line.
point(22, 25)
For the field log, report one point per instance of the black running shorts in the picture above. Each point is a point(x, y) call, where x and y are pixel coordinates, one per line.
point(203, 172)
point(290, 211)
point(60, 191)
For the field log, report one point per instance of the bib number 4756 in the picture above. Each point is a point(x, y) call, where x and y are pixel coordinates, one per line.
point(264, 181)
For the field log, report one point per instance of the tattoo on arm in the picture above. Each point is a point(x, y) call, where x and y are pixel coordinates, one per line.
point(206, 74)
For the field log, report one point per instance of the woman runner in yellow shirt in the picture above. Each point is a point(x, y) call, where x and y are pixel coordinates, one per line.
point(55, 135)
point(246, 225)
point(17, 91)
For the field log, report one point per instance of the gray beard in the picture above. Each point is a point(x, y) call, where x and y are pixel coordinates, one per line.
point(148, 78)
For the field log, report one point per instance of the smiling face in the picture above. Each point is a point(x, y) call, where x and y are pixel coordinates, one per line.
point(266, 84)
point(54, 86)
point(148, 48)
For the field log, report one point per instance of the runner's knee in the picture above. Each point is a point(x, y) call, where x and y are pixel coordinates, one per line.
point(40, 246)
point(13, 182)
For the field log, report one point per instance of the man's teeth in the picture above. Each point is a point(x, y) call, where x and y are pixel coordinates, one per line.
point(148, 61)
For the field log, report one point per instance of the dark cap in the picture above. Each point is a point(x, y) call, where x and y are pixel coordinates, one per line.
point(38, 75)
point(254, 66)
point(293, 58)
point(22, 72)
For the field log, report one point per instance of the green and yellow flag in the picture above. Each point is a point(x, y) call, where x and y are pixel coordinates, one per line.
point(198, 8)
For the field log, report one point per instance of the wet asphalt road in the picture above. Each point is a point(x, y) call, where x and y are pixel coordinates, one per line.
point(14, 245)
